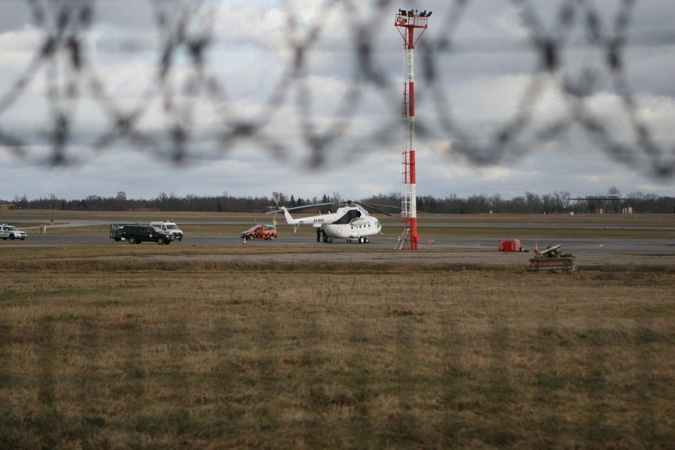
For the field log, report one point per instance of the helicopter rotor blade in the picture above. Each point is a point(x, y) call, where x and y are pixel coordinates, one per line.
point(367, 205)
point(395, 207)
point(300, 207)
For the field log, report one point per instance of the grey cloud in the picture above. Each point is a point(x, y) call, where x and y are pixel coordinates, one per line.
point(488, 45)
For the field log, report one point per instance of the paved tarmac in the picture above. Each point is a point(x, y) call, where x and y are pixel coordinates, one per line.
point(589, 252)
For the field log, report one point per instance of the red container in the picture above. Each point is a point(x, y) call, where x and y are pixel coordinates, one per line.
point(516, 246)
point(505, 246)
point(510, 246)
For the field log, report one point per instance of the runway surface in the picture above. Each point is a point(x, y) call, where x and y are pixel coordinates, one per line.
point(588, 252)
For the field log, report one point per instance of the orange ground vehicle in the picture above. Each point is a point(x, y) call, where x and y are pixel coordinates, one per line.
point(260, 231)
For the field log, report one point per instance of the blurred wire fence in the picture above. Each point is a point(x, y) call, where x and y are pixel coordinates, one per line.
point(190, 106)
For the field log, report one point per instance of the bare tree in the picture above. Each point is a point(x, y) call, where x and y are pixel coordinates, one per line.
point(121, 201)
point(495, 203)
point(533, 202)
point(565, 199)
point(613, 190)
point(548, 203)
point(614, 204)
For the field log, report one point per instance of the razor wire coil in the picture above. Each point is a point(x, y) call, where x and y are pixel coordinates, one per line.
point(164, 118)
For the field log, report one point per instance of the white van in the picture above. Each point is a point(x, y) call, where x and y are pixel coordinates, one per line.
point(170, 228)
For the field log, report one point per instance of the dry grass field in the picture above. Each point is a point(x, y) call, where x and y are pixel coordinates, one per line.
point(118, 353)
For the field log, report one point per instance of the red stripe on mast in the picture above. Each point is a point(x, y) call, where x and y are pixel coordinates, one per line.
point(407, 21)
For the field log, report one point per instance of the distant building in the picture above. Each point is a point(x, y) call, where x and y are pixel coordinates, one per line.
point(601, 204)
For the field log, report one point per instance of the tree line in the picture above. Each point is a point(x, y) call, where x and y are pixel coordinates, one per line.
point(556, 202)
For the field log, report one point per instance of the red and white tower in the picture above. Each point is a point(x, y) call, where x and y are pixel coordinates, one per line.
point(407, 23)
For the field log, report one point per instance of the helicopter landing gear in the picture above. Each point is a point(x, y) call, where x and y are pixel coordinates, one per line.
point(327, 239)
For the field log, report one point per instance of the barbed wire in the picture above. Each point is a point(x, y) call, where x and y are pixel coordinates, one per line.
point(186, 85)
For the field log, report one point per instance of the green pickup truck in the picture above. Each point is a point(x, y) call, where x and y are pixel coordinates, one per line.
point(134, 233)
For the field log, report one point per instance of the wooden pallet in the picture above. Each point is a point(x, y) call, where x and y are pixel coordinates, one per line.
point(555, 264)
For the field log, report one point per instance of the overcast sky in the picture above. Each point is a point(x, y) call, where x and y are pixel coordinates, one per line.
point(478, 88)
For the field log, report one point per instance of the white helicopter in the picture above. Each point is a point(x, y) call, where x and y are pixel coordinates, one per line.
point(350, 222)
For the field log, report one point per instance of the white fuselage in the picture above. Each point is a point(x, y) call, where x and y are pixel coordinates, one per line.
point(357, 228)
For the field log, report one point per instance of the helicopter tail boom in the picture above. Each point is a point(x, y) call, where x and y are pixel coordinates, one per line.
point(289, 219)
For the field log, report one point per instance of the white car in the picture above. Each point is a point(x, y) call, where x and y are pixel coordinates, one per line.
point(170, 227)
point(8, 231)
